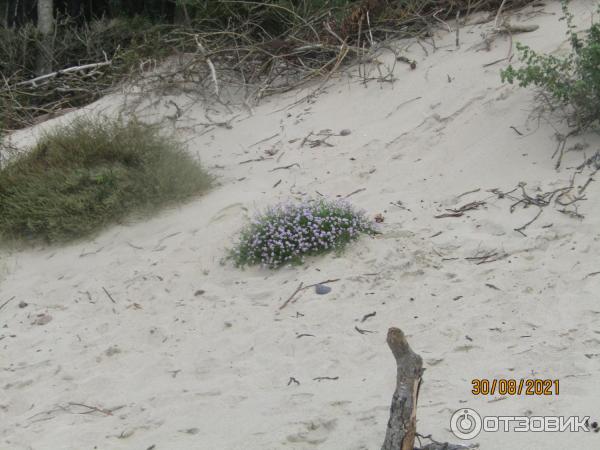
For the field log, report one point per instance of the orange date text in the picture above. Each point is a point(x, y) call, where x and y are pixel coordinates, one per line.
point(502, 386)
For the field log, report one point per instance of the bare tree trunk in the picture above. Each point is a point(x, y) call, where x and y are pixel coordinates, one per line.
point(45, 25)
point(4, 11)
point(181, 15)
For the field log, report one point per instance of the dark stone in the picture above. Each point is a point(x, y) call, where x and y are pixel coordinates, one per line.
point(321, 289)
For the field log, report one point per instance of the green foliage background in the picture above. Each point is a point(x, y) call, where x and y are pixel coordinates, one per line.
point(571, 81)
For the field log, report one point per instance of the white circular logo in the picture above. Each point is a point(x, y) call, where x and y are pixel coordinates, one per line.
point(465, 424)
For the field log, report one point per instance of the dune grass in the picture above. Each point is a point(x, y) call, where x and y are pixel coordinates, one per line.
point(92, 172)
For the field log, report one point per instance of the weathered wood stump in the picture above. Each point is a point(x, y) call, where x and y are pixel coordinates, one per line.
point(402, 424)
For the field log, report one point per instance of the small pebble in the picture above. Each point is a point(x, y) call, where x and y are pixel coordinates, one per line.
point(23, 304)
point(199, 292)
point(321, 289)
point(345, 132)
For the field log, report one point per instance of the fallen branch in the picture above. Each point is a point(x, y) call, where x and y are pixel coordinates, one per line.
point(362, 331)
point(262, 158)
point(355, 192)
point(7, 302)
point(284, 167)
point(468, 207)
point(487, 258)
point(468, 192)
point(458, 212)
point(301, 287)
point(521, 228)
point(516, 131)
point(264, 140)
point(298, 289)
point(368, 316)
point(34, 81)
point(326, 378)
point(591, 274)
point(92, 409)
point(211, 66)
point(108, 294)
point(443, 216)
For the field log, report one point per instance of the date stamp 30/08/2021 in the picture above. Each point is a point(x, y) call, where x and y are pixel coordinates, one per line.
point(511, 386)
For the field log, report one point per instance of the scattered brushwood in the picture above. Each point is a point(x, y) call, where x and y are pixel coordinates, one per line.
point(258, 48)
point(85, 175)
point(565, 199)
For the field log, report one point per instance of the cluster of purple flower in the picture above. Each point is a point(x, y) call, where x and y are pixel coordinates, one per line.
point(286, 232)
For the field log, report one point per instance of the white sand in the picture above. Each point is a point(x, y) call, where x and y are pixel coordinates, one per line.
point(211, 371)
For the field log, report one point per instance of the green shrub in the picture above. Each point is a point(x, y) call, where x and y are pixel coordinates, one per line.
point(85, 175)
point(572, 81)
point(285, 233)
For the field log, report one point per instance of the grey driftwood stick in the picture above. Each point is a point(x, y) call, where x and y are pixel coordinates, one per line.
point(402, 424)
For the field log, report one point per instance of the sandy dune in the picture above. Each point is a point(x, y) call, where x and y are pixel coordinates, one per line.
point(170, 348)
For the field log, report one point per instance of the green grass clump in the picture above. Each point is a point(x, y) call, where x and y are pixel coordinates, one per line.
point(287, 232)
point(80, 177)
point(572, 81)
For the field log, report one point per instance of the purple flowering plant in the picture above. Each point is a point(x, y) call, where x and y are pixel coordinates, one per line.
point(284, 233)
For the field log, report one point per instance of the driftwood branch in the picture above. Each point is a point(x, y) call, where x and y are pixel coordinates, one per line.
point(36, 81)
point(402, 424)
point(211, 66)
